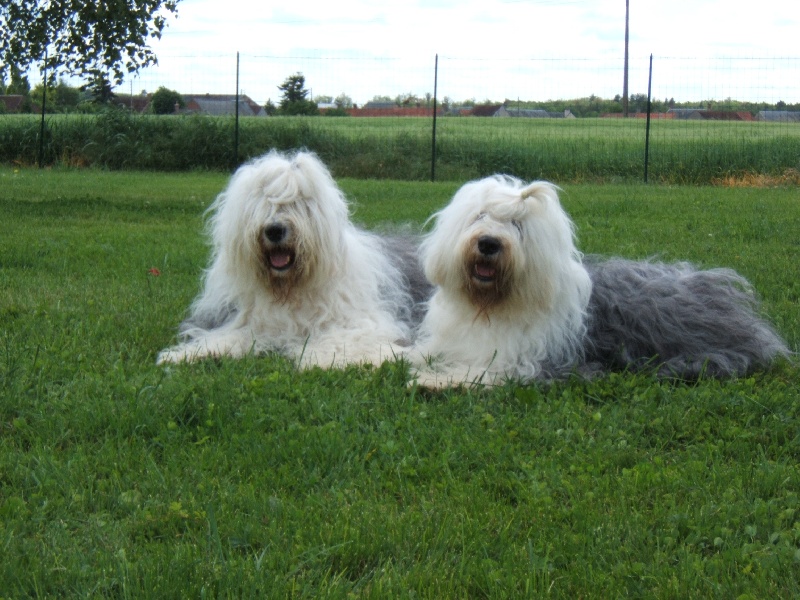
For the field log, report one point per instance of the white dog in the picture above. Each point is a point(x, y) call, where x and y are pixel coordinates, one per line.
point(511, 293)
point(290, 273)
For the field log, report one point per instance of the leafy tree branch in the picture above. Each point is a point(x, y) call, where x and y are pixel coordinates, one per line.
point(103, 38)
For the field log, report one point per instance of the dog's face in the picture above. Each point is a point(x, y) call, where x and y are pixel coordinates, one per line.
point(500, 243)
point(282, 220)
point(490, 249)
point(280, 255)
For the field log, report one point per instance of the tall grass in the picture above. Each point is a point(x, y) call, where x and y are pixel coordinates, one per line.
point(250, 479)
point(401, 148)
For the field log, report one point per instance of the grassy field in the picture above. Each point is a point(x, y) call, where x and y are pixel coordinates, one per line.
point(566, 150)
point(247, 478)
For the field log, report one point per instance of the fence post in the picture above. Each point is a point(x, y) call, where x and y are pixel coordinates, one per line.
point(647, 126)
point(44, 104)
point(236, 123)
point(433, 137)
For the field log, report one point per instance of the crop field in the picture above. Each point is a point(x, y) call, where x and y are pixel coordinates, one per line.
point(565, 150)
point(251, 479)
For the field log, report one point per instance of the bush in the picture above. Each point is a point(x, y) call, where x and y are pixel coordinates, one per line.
point(164, 101)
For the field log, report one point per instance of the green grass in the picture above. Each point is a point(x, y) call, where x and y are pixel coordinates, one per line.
point(250, 479)
point(574, 150)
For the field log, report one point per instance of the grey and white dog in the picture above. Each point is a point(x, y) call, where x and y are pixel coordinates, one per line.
point(291, 273)
point(515, 299)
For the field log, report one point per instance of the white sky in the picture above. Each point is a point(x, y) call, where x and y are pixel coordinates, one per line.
point(488, 49)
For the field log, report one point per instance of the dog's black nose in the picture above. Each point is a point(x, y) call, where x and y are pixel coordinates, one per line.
point(275, 233)
point(488, 245)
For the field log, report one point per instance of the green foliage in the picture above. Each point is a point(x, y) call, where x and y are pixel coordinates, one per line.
point(19, 83)
point(594, 106)
point(60, 98)
point(87, 39)
point(343, 101)
point(561, 150)
point(251, 479)
point(165, 100)
point(65, 96)
point(295, 100)
point(294, 89)
point(298, 108)
point(100, 89)
point(339, 111)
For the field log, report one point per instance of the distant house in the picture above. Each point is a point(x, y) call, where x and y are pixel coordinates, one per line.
point(637, 115)
point(16, 103)
point(779, 116)
point(372, 105)
point(391, 109)
point(686, 113)
point(12, 103)
point(532, 113)
point(727, 115)
point(138, 104)
point(220, 105)
point(709, 115)
point(485, 110)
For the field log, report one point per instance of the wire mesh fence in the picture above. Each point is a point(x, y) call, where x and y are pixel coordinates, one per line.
point(698, 80)
point(539, 117)
point(728, 114)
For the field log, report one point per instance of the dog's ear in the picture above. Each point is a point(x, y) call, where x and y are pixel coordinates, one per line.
point(433, 264)
point(538, 194)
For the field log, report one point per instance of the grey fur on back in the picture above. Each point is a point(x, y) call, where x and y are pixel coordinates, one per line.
point(207, 320)
point(676, 319)
point(403, 251)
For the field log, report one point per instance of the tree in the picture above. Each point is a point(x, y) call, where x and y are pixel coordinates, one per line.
point(86, 39)
point(60, 98)
point(343, 101)
point(294, 101)
point(100, 89)
point(66, 97)
point(407, 99)
point(19, 84)
point(293, 89)
point(164, 100)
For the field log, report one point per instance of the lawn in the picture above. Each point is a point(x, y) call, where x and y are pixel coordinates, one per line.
point(248, 478)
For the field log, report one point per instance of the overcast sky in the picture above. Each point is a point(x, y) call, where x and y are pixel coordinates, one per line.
point(411, 32)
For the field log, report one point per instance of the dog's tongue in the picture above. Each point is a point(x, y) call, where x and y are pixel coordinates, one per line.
point(279, 260)
point(484, 271)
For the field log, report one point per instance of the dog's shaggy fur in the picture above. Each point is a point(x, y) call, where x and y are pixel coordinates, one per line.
point(291, 273)
point(515, 300)
point(676, 319)
point(511, 293)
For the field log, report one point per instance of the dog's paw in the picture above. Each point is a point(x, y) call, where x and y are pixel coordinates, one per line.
point(178, 354)
point(431, 380)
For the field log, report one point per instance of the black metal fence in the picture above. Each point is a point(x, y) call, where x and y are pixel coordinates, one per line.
point(745, 106)
point(556, 118)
